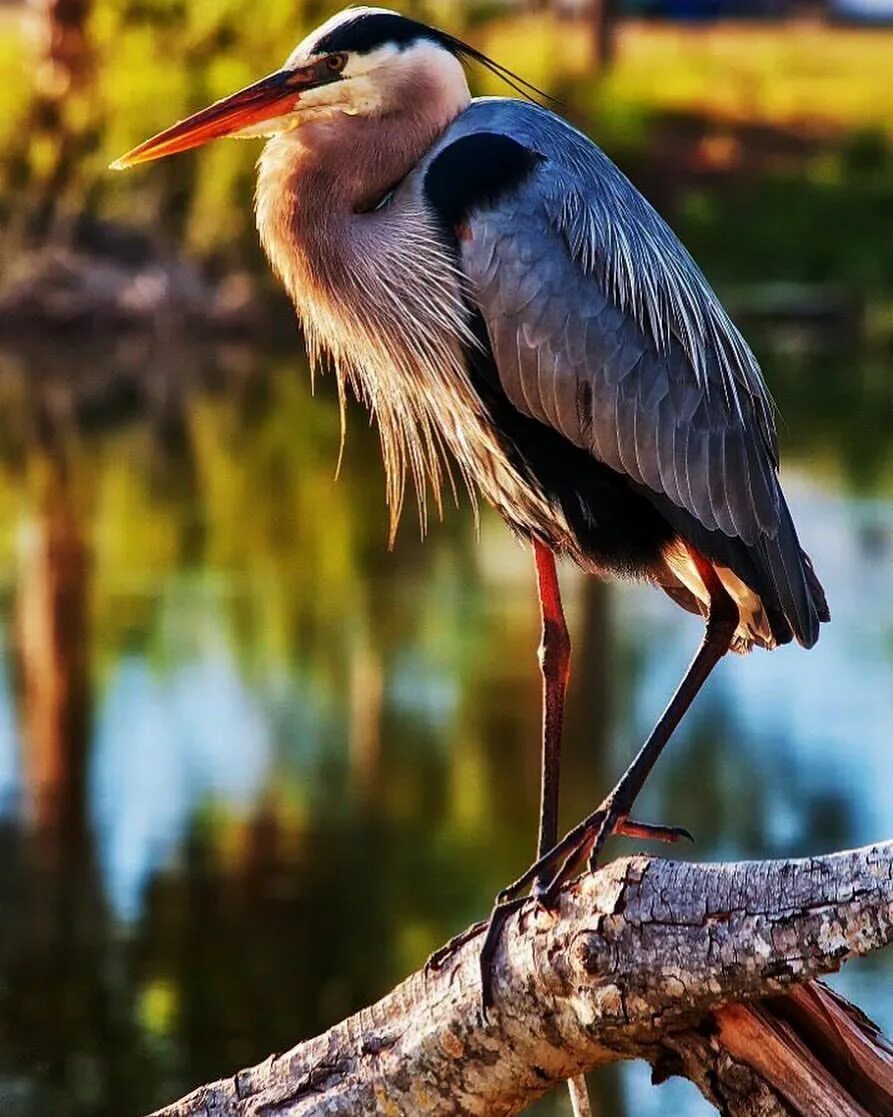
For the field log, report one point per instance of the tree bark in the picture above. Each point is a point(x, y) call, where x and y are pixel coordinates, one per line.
point(703, 970)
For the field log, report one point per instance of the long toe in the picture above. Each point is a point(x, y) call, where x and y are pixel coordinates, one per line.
point(653, 832)
point(501, 912)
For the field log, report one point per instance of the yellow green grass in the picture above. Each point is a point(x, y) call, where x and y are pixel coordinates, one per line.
point(781, 75)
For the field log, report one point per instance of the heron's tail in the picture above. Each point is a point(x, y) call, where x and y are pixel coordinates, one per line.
point(791, 592)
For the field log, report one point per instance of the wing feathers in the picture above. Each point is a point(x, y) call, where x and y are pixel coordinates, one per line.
point(715, 477)
point(603, 328)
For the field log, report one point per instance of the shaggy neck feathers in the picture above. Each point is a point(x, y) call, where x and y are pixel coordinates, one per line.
point(377, 291)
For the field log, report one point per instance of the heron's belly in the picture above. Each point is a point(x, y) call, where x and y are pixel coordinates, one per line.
point(563, 494)
point(599, 522)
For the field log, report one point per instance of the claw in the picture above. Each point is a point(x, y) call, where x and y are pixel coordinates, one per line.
point(437, 958)
point(542, 896)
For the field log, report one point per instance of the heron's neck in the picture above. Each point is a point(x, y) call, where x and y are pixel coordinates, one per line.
point(317, 184)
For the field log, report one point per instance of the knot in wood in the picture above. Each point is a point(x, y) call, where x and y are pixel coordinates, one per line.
point(590, 954)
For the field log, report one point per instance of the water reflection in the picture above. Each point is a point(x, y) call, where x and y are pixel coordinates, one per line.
point(276, 743)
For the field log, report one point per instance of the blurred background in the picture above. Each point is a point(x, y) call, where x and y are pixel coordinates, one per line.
point(253, 766)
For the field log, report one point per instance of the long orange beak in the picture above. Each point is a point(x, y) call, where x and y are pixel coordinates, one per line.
point(266, 99)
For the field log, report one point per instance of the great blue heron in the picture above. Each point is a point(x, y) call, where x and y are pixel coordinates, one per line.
point(509, 306)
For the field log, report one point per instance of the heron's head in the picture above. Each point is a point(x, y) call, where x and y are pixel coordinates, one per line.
point(364, 62)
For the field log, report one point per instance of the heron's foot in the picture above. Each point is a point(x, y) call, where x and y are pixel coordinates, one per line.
point(546, 877)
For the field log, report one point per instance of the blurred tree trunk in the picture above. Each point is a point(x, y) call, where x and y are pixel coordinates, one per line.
point(595, 665)
point(590, 713)
point(63, 45)
point(366, 694)
point(603, 24)
point(63, 68)
point(50, 972)
point(51, 644)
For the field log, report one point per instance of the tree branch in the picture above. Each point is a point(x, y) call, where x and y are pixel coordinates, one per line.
point(645, 959)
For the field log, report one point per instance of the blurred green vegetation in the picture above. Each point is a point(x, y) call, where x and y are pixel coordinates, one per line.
point(827, 221)
point(150, 62)
point(768, 147)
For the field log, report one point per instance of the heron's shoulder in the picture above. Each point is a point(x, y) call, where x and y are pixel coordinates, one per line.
point(491, 151)
point(477, 171)
point(498, 147)
point(528, 125)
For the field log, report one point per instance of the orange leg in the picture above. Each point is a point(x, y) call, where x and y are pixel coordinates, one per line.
point(554, 658)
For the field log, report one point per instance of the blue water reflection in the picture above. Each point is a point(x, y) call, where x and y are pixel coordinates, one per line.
point(814, 728)
point(297, 739)
point(193, 730)
point(168, 743)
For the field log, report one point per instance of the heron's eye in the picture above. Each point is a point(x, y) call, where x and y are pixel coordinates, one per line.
point(336, 63)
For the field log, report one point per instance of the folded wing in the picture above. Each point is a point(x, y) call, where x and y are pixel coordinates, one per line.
point(603, 327)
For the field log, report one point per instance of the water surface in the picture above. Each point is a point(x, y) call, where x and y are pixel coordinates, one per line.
point(254, 767)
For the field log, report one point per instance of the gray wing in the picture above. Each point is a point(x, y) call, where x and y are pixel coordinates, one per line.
point(603, 327)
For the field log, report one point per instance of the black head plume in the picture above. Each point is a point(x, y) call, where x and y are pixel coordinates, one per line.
point(365, 29)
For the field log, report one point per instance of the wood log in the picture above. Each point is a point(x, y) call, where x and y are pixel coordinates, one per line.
point(703, 970)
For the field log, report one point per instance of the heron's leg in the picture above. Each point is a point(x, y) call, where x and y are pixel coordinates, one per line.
point(613, 814)
point(554, 655)
point(554, 658)
point(555, 662)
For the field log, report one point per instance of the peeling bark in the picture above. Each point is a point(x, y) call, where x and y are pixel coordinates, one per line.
point(700, 969)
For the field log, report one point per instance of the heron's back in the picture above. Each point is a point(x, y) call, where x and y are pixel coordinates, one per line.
point(600, 328)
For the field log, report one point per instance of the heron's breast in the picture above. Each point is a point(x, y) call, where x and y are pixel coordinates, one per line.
point(383, 297)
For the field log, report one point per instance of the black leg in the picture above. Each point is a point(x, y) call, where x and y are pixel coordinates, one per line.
point(588, 837)
point(554, 656)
